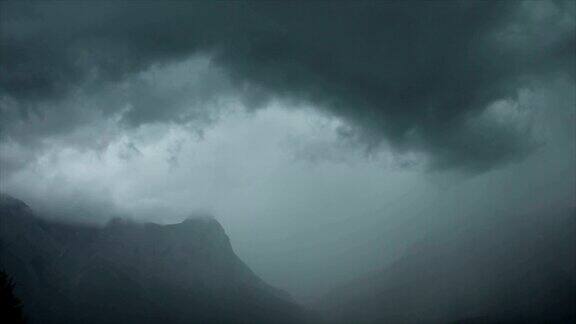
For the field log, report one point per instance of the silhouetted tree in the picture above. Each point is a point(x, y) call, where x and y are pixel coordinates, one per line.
point(10, 305)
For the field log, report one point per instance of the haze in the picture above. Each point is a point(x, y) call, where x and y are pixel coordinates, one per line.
point(326, 138)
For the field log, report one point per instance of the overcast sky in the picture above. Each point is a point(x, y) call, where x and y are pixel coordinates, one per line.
point(325, 137)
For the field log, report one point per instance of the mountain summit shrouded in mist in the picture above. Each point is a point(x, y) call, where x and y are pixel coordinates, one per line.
point(133, 273)
point(377, 160)
point(128, 272)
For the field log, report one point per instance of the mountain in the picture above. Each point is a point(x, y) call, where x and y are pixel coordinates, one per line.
point(129, 272)
point(503, 269)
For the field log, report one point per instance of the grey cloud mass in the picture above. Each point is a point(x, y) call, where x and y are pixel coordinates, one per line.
point(419, 77)
point(328, 137)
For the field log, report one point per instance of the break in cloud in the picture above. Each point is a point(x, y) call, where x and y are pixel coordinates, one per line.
point(426, 79)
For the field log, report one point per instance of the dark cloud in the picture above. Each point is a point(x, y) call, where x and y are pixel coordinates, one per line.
point(417, 74)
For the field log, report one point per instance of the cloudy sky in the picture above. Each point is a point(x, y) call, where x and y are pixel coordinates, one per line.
point(326, 137)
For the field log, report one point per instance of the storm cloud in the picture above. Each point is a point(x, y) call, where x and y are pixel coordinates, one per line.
point(433, 78)
point(326, 137)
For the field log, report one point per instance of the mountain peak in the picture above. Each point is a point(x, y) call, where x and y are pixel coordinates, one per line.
point(203, 221)
point(135, 272)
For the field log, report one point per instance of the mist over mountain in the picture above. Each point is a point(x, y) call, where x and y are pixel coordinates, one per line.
point(477, 273)
point(396, 161)
point(129, 272)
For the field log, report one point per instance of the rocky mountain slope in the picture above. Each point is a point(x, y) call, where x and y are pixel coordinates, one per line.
point(129, 272)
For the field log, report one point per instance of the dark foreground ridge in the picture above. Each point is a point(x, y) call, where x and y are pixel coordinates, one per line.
point(129, 272)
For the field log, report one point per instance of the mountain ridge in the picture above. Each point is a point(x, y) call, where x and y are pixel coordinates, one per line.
point(475, 274)
point(133, 272)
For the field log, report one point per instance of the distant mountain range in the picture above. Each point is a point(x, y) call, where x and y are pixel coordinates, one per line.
point(130, 272)
point(498, 269)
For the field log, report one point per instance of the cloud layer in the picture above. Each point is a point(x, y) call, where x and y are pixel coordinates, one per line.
point(420, 77)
